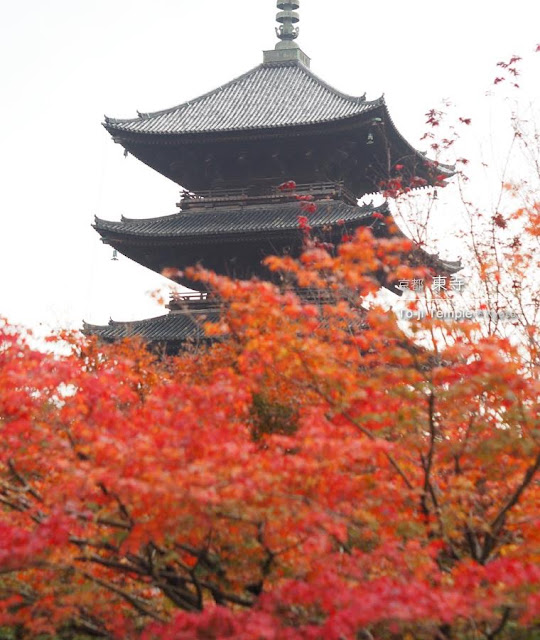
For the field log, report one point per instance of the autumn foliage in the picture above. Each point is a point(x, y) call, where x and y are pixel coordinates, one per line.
point(317, 473)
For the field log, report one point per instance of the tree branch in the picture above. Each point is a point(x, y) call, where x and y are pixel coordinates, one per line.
point(23, 482)
point(502, 624)
point(388, 456)
point(427, 462)
point(130, 599)
point(498, 523)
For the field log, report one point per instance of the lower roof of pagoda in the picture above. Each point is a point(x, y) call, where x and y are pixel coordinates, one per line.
point(233, 223)
point(174, 327)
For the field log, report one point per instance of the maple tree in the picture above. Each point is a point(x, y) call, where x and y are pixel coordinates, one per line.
point(319, 472)
point(307, 477)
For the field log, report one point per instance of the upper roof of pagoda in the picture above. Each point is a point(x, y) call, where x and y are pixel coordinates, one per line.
point(272, 95)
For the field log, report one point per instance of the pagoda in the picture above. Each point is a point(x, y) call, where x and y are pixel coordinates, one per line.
point(230, 150)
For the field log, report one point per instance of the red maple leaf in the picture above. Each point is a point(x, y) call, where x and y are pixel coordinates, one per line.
point(290, 185)
point(309, 207)
point(499, 221)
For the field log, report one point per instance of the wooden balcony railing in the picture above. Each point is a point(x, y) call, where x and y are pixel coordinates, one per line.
point(208, 300)
point(263, 195)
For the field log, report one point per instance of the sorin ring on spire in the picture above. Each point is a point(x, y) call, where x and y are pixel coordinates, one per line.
point(288, 17)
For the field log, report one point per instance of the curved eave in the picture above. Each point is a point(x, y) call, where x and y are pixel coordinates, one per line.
point(239, 225)
point(284, 129)
point(280, 93)
point(445, 169)
point(176, 326)
point(441, 266)
point(419, 257)
point(417, 164)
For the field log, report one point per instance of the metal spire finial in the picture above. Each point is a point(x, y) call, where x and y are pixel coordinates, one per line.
point(288, 17)
point(286, 49)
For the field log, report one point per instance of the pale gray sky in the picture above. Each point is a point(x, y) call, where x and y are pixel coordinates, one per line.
point(65, 63)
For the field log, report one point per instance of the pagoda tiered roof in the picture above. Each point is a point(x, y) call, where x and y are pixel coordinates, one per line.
point(234, 240)
point(229, 149)
point(172, 330)
point(272, 95)
point(231, 240)
point(277, 120)
point(242, 223)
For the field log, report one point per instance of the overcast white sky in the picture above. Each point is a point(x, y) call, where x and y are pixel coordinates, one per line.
point(65, 63)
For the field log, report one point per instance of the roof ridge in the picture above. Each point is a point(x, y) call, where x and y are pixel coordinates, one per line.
point(356, 100)
point(341, 94)
point(155, 319)
point(151, 114)
point(290, 208)
point(167, 216)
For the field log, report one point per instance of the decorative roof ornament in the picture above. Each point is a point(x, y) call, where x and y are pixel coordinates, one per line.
point(288, 17)
point(287, 49)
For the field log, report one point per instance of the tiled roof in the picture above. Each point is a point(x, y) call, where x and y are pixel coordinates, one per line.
point(270, 95)
point(176, 326)
point(421, 258)
point(247, 220)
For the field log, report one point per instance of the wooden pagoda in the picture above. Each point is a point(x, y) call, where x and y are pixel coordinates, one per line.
point(229, 150)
